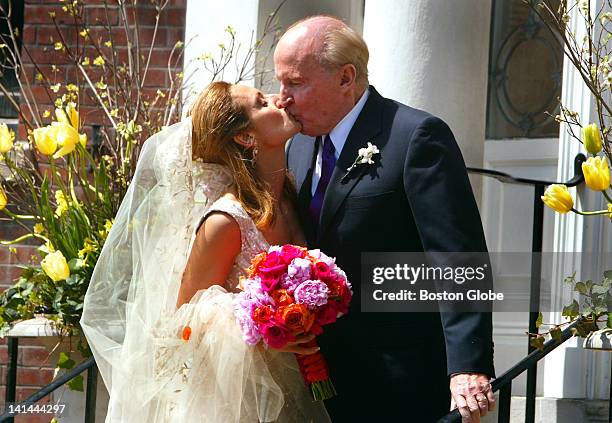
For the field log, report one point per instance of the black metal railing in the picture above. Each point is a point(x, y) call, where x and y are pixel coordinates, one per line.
point(503, 384)
point(88, 365)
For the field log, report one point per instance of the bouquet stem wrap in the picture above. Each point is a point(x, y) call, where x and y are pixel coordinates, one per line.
point(316, 373)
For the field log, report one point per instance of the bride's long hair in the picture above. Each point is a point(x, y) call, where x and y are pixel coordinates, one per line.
point(217, 118)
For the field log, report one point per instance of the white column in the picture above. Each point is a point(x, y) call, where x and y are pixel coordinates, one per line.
point(570, 371)
point(205, 29)
point(433, 55)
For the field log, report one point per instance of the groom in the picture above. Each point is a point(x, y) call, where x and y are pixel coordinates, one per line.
point(387, 367)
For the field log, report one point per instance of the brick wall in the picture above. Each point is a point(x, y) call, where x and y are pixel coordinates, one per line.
point(39, 35)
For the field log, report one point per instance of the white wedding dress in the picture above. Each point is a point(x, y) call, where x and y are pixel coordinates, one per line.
point(132, 324)
point(222, 367)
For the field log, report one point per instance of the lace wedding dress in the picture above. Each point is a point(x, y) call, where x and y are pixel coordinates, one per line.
point(226, 380)
point(162, 364)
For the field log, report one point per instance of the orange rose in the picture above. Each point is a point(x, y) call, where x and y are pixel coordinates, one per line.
point(257, 260)
point(281, 297)
point(263, 314)
point(295, 317)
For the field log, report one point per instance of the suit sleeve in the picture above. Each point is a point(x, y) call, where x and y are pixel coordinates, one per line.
point(447, 218)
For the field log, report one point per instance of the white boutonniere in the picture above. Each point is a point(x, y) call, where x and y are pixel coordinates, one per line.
point(364, 156)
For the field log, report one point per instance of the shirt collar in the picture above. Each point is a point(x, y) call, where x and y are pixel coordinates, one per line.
point(341, 131)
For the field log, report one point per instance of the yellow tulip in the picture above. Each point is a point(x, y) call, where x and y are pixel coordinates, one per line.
point(55, 266)
point(558, 198)
point(6, 138)
point(596, 173)
point(72, 118)
point(3, 199)
point(67, 138)
point(45, 140)
point(591, 138)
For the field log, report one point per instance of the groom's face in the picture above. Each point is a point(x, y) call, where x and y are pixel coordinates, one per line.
point(309, 92)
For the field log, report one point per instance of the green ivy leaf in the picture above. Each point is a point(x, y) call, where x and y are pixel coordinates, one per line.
point(608, 274)
point(570, 279)
point(64, 361)
point(600, 289)
point(609, 323)
point(76, 384)
point(555, 333)
point(539, 320)
point(581, 288)
point(572, 310)
point(537, 342)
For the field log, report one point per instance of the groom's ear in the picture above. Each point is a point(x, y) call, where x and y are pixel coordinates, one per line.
point(349, 73)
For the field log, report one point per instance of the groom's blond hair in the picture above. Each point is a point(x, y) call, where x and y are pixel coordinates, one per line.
point(341, 45)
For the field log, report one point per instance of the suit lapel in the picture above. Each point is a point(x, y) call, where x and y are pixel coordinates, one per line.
point(366, 127)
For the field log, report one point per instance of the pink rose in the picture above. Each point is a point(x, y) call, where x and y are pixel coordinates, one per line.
point(272, 265)
point(270, 282)
point(322, 270)
point(289, 252)
point(276, 335)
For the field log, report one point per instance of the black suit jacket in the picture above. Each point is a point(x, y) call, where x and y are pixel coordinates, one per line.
point(416, 197)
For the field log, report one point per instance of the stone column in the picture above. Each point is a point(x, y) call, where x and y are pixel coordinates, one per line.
point(433, 55)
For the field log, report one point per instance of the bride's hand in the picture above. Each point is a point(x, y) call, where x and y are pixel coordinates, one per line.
point(297, 347)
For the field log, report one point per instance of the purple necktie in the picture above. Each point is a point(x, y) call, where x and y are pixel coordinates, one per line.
point(327, 168)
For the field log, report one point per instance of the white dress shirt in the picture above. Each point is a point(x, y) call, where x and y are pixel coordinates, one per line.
point(338, 137)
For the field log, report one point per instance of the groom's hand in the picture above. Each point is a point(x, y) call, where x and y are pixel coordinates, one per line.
point(471, 393)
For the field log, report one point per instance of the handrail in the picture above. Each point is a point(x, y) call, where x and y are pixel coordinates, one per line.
point(504, 382)
point(519, 368)
point(577, 179)
point(89, 365)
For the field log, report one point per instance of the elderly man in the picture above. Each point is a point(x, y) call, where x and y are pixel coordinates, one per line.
point(387, 367)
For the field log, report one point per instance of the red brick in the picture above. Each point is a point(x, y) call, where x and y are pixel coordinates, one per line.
point(33, 356)
point(145, 15)
point(30, 376)
point(155, 78)
point(29, 34)
point(8, 274)
point(172, 17)
point(97, 15)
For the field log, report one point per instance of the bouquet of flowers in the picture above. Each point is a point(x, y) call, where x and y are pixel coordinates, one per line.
point(289, 291)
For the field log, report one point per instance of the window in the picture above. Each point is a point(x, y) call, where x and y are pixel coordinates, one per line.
point(525, 73)
point(7, 71)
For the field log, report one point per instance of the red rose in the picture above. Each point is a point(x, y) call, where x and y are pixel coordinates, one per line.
point(276, 335)
point(263, 314)
point(326, 315)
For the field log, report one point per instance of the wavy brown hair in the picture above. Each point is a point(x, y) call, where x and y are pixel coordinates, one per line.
point(217, 118)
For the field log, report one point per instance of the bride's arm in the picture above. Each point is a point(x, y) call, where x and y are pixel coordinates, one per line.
point(216, 245)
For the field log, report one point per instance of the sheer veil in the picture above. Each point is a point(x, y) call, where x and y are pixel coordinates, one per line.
point(130, 318)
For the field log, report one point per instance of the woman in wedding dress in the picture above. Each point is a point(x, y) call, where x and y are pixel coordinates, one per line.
point(209, 193)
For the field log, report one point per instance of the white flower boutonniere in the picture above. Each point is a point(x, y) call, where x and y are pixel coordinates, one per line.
point(364, 156)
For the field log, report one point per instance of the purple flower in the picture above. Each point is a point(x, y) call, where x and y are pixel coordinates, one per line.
point(311, 293)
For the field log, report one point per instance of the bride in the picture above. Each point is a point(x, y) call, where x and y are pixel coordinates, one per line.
point(208, 194)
